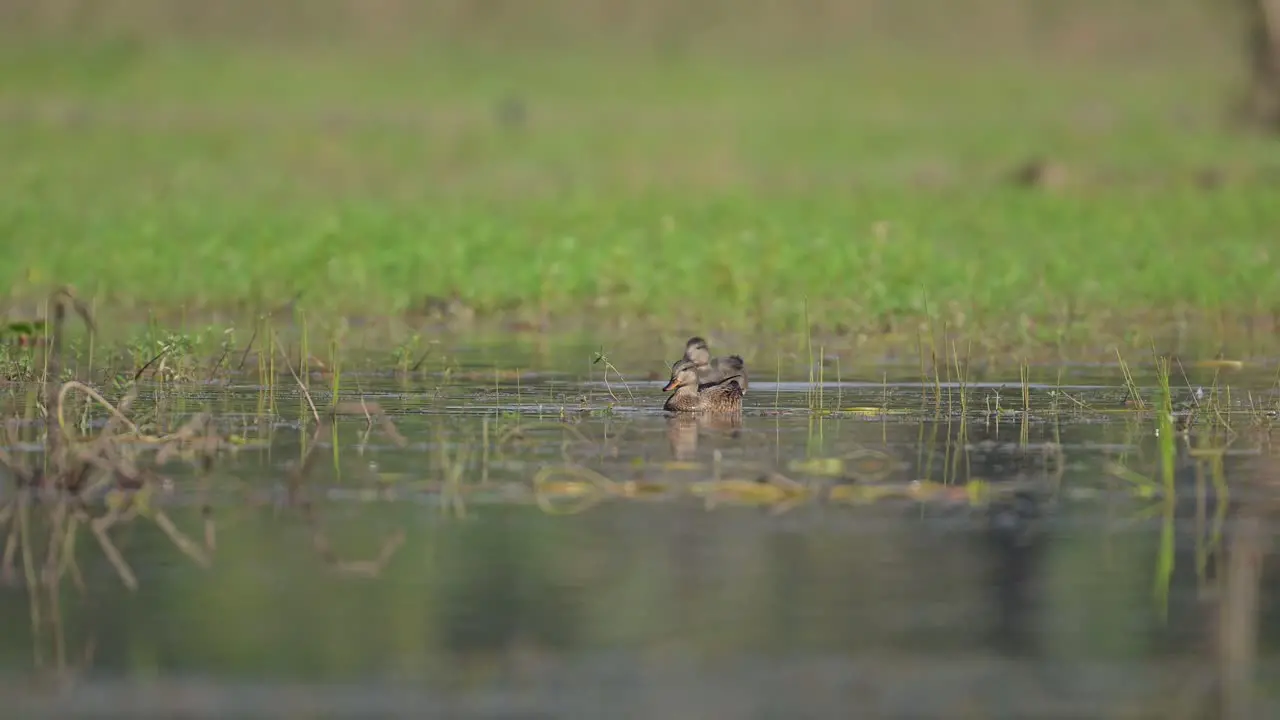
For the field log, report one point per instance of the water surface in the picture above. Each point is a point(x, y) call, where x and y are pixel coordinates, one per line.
point(553, 548)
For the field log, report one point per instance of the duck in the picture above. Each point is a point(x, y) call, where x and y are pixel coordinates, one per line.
point(691, 395)
point(713, 371)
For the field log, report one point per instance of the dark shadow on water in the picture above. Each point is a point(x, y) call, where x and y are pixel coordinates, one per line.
point(1015, 546)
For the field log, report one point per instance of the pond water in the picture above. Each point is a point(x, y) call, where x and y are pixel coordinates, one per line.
point(551, 548)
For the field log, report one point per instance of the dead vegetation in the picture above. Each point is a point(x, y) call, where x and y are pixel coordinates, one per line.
point(117, 476)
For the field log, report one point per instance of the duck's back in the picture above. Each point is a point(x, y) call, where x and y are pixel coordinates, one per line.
point(731, 366)
point(723, 396)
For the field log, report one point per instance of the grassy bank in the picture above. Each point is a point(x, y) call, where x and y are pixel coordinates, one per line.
point(868, 186)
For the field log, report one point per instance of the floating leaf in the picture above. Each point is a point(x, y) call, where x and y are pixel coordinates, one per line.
point(1220, 364)
point(833, 467)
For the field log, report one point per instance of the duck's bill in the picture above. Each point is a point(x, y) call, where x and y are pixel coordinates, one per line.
point(671, 385)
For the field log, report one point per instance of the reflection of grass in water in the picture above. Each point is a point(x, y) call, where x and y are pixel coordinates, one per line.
point(1209, 539)
point(1164, 489)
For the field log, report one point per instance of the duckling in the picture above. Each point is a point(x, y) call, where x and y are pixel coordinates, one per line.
point(692, 396)
point(713, 371)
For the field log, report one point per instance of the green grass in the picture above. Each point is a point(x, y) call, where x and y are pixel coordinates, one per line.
point(716, 188)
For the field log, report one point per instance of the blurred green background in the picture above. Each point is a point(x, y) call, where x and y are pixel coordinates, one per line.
point(1019, 170)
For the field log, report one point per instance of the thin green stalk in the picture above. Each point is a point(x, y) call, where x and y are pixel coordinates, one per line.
point(808, 341)
point(924, 375)
point(821, 375)
point(777, 384)
point(839, 386)
point(1168, 456)
point(1129, 384)
point(1024, 437)
point(304, 351)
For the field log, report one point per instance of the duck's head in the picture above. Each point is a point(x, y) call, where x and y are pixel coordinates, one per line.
point(696, 352)
point(683, 374)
